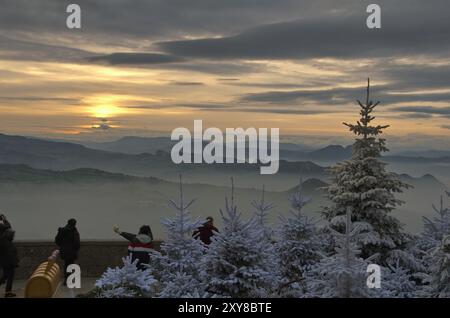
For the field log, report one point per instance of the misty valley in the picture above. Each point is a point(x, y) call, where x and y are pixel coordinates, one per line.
point(127, 182)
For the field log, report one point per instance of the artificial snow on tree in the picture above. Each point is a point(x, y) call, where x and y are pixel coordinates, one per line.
point(298, 247)
point(261, 215)
point(363, 184)
point(424, 247)
point(440, 270)
point(436, 229)
point(178, 265)
point(397, 282)
point(235, 264)
point(342, 275)
point(262, 211)
point(126, 282)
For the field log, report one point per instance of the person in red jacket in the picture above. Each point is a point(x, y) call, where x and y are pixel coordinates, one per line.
point(140, 245)
point(206, 231)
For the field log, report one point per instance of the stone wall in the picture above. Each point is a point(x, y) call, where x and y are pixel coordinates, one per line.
point(94, 256)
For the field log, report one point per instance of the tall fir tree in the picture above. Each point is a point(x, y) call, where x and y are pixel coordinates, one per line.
point(178, 266)
point(363, 184)
point(235, 264)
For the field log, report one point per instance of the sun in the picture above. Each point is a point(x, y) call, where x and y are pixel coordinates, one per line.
point(104, 106)
point(104, 111)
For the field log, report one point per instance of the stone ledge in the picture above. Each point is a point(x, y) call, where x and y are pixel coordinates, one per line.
point(94, 256)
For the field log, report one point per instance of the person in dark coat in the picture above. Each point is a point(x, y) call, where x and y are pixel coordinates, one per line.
point(140, 245)
point(206, 231)
point(68, 241)
point(4, 224)
point(9, 260)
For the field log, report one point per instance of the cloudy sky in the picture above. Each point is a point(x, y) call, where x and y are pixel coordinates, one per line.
point(146, 67)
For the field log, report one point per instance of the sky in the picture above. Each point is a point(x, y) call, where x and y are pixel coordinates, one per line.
point(145, 68)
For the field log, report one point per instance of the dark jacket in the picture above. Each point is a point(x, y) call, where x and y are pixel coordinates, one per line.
point(68, 241)
point(204, 233)
point(139, 248)
point(5, 225)
point(8, 250)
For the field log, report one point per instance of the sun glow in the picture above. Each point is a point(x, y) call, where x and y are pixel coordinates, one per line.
point(105, 106)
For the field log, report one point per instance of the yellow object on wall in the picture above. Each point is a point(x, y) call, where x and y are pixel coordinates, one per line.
point(44, 282)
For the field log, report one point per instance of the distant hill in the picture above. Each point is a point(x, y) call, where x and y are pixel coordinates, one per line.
point(44, 154)
point(23, 173)
point(138, 145)
point(133, 145)
point(425, 153)
point(310, 186)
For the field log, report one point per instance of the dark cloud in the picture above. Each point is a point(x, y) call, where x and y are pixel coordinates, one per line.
point(14, 49)
point(170, 62)
point(337, 35)
point(205, 106)
point(445, 126)
point(424, 110)
point(152, 19)
point(292, 111)
point(331, 96)
point(415, 76)
point(339, 96)
point(415, 116)
point(134, 58)
point(38, 98)
point(270, 85)
point(223, 68)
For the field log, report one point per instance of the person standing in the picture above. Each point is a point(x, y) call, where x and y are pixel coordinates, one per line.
point(140, 245)
point(4, 224)
point(9, 260)
point(68, 241)
point(206, 231)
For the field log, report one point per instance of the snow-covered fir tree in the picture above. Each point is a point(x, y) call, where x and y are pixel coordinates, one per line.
point(440, 270)
point(397, 282)
point(424, 247)
point(178, 265)
point(126, 282)
point(235, 264)
point(342, 275)
point(262, 209)
point(298, 246)
point(437, 228)
point(363, 184)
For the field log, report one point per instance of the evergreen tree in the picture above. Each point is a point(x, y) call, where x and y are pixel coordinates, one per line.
point(179, 264)
point(262, 210)
point(398, 282)
point(342, 275)
point(440, 270)
point(125, 282)
point(298, 246)
point(424, 247)
point(363, 184)
point(436, 229)
point(235, 261)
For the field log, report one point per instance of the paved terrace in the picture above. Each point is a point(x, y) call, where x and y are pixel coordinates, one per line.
point(94, 258)
point(62, 292)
